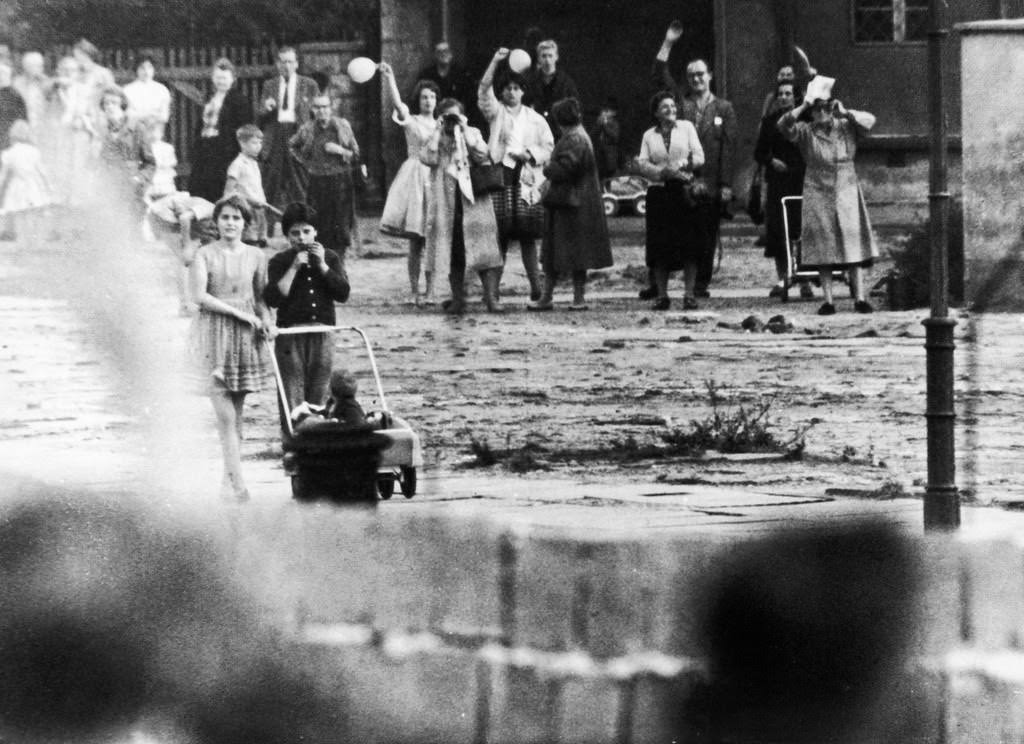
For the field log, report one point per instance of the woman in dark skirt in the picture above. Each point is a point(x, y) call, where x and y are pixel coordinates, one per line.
point(217, 143)
point(784, 176)
point(669, 153)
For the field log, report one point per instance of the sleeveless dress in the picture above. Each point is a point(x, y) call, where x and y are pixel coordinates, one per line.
point(228, 353)
point(405, 211)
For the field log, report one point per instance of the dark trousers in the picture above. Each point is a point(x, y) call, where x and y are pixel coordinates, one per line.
point(283, 181)
point(305, 362)
point(331, 197)
point(709, 216)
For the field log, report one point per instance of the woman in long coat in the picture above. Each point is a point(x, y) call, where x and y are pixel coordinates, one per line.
point(836, 233)
point(576, 234)
point(217, 144)
point(462, 230)
point(784, 176)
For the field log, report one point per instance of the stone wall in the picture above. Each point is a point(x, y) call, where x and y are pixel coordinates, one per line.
point(428, 629)
point(993, 171)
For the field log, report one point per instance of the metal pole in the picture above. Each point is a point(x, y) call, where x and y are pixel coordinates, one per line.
point(941, 499)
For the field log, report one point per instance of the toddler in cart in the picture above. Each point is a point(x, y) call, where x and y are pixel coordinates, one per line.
point(342, 407)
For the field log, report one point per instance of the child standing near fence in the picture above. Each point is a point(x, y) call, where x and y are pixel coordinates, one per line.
point(165, 161)
point(244, 179)
point(24, 186)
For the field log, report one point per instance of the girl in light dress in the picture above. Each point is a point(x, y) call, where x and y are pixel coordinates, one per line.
point(228, 278)
point(79, 114)
point(405, 211)
point(25, 187)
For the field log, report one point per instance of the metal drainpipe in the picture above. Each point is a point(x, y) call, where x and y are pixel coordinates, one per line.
point(941, 499)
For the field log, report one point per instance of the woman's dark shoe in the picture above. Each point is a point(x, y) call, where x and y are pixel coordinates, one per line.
point(778, 290)
point(662, 303)
point(540, 307)
point(648, 293)
point(827, 308)
point(453, 307)
point(704, 294)
point(863, 306)
point(690, 303)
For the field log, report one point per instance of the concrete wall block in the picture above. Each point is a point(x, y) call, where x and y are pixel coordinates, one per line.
point(333, 562)
point(609, 598)
point(986, 699)
point(589, 711)
point(993, 576)
point(687, 569)
point(938, 627)
point(617, 598)
point(910, 709)
point(425, 696)
point(398, 572)
point(524, 705)
point(662, 710)
point(437, 574)
point(545, 580)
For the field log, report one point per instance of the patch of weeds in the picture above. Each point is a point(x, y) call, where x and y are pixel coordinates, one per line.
point(520, 460)
point(524, 460)
point(851, 455)
point(735, 429)
point(481, 449)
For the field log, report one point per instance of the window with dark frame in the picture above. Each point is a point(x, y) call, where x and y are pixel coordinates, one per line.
point(889, 21)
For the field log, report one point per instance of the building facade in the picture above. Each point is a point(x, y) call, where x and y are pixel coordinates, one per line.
point(876, 49)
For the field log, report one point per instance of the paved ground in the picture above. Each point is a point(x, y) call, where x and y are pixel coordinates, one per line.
point(91, 394)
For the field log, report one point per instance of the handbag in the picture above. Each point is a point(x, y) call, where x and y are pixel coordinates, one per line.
point(561, 195)
point(755, 208)
point(487, 178)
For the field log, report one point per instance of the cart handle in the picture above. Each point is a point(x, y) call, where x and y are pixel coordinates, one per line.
point(300, 330)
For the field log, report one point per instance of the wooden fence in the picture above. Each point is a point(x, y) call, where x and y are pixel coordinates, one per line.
point(186, 72)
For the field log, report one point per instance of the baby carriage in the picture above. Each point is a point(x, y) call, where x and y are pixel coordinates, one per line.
point(344, 463)
point(795, 272)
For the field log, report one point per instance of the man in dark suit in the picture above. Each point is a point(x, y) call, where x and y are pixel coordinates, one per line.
point(547, 83)
point(286, 102)
point(715, 121)
point(454, 81)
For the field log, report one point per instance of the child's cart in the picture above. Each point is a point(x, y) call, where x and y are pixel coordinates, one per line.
point(795, 272)
point(628, 189)
point(330, 460)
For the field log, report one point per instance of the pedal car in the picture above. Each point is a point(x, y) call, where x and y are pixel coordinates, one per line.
point(620, 190)
point(326, 459)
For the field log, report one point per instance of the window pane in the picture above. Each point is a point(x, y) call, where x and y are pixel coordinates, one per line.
point(873, 24)
point(917, 24)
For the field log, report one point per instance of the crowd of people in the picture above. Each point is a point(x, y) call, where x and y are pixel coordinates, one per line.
point(490, 161)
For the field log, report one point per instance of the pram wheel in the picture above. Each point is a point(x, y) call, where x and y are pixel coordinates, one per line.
point(386, 487)
point(408, 482)
point(301, 490)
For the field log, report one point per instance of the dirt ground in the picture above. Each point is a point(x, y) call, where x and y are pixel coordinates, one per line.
point(592, 395)
point(589, 395)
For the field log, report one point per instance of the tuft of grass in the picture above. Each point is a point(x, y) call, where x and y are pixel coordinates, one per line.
point(517, 460)
point(481, 449)
point(735, 429)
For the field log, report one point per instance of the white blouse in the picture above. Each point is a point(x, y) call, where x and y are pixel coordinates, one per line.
point(684, 148)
